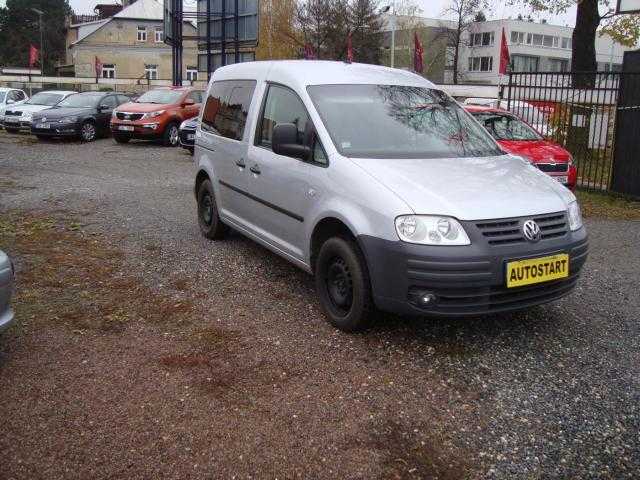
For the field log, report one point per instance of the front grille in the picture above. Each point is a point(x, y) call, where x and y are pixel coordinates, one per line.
point(553, 167)
point(129, 116)
point(509, 231)
point(13, 113)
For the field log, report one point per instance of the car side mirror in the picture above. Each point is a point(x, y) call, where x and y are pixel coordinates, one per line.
point(188, 102)
point(285, 142)
point(103, 107)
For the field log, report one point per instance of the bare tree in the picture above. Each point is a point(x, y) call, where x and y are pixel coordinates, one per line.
point(463, 13)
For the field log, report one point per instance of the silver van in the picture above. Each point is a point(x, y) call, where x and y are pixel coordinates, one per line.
point(384, 188)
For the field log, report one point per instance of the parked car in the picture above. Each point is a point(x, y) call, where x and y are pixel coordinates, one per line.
point(6, 289)
point(83, 115)
point(528, 112)
point(416, 210)
point(10, 97)
point(156, 115)
point(188, 133)
point(516, 136)
point(19, 117)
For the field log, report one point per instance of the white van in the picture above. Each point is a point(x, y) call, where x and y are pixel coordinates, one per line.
point(384, 188)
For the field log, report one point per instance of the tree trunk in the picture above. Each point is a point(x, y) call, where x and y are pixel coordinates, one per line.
point(584, 39)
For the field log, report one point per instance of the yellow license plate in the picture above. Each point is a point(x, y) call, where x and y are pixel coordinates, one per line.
point(537, 270)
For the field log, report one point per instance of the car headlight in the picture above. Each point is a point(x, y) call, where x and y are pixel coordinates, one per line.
point(69, 120)
point(27, 116)
point(575, 216)
point(431, 230)
point(114, 114)
point(155, 114)
point(183, 124)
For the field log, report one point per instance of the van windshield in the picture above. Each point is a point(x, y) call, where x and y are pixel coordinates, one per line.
point(392, 121)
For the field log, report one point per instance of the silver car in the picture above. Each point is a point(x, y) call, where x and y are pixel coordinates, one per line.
point(6, 289)
point(382, 186)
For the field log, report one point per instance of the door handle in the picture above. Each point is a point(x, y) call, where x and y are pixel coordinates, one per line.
point(240, 163)
point(255, 169)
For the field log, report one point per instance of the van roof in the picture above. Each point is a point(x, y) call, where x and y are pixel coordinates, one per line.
point(302, 73)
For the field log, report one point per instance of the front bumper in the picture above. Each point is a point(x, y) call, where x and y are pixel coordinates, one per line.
point(468, 280)
point(57, 130)
point(185, 142)
point(141, 130)
point(19, 125)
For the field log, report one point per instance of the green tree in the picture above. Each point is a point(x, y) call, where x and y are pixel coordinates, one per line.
point(20, 28)
point(591, 15)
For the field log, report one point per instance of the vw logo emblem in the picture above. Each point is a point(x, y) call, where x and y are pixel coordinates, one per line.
point(531, 231)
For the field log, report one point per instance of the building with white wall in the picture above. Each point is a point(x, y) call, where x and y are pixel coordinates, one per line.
point(534, 47)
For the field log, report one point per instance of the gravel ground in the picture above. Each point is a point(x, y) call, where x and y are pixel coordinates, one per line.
point(549, 393)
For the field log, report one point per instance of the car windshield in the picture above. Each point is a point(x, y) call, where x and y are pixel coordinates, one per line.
point(392, 121)
point(80, 101)
point(529, 114)
point(2, 95)
point(44, 98)
point(506, 127)
point(160, 96)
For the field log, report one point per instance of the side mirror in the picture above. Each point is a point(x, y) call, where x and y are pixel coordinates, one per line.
point(188, 102)
point(285, 142)
point(103, 107)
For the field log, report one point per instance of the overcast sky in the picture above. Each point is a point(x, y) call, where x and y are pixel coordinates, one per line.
point(431, 8)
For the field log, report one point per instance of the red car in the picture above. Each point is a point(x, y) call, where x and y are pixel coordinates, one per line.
point(516, 136)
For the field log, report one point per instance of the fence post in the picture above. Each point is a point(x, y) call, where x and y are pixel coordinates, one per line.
point(509, 91)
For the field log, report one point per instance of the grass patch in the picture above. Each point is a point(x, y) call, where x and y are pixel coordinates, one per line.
point(601, 205)
point(77, 280)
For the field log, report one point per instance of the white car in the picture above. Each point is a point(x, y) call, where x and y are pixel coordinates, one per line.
point(18, 117)
point(9, 97)
point(529, 113)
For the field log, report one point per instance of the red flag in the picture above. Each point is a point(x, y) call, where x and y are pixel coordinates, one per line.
point(418, 54)
point(349, 49)
point(98, 67)
point(309, 54)
point(504, 54)
point(33, 56)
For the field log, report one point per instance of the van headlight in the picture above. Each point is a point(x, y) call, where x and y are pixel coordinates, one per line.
point(575, 216)
point(431, 230)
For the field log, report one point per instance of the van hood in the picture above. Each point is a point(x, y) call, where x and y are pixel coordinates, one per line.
point(470, 188)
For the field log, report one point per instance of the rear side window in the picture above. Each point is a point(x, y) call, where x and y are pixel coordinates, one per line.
point(225, 112)
point(196, 96)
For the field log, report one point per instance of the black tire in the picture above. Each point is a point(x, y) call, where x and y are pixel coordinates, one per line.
point(88, 132)
point(171, 135)
point(121, 138)
point(12, 130)
point(343, 285)
point(208, 219)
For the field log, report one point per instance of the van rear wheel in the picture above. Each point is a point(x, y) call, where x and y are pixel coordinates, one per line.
point(343, 285)
point(208, 219)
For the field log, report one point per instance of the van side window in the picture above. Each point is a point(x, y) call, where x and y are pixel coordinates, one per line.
point(284, 106)
point(227, 107)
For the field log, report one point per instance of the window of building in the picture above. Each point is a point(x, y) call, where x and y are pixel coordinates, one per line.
point(537, 39)
point(192, 74)
point(524, 63)
point(108, 70)
point(159, 35)
point(480, 64)
point(566, 43)
point(151, 72)
point(225, 113)
point(558, 65)
point(482, 39)
point(517, 38)
point(142, 34)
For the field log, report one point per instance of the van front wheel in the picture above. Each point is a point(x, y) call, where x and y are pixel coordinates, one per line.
point(343, 285)
point(208, 219)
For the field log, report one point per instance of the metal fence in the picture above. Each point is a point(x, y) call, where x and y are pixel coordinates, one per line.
point(583, 120)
